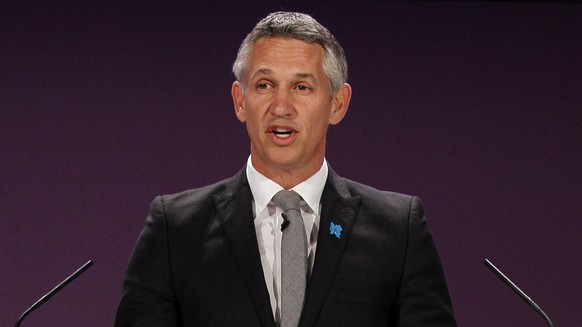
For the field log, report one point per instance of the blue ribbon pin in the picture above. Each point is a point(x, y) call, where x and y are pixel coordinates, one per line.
point(335, 230)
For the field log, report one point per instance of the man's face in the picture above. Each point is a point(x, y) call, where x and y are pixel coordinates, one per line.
point(286, 105)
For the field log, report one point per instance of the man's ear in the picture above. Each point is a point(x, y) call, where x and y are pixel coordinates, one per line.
point(340, 104)
point(237, 99)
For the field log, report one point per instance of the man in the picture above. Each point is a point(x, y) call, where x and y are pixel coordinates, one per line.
point(221, 255)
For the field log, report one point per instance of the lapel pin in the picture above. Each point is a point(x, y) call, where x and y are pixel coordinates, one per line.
point(335, 230)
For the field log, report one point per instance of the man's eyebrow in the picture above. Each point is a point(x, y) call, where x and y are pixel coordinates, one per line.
point(267, 71)
point(263, 71)
point(306, 76)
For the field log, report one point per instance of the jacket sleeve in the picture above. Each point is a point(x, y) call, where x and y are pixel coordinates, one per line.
point(148, 297)
point(423, 299)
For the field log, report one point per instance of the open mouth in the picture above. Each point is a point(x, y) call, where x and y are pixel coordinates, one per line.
point(282, 133)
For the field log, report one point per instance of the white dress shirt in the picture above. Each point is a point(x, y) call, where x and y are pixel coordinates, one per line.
point(268, 220)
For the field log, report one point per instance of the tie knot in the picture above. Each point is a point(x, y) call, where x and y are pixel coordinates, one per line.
point(287, 200)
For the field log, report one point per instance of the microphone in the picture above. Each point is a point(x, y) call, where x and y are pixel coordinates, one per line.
point(54, 291)
point(518, 291)
point(285, 222)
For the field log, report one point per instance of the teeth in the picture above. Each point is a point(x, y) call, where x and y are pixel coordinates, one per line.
point(282, 133)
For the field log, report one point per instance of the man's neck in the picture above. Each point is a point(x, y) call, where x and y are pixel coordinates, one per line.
point(287, 177)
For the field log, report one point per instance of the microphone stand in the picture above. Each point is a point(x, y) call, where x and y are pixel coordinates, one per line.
point(518, 291)
point(54, 291)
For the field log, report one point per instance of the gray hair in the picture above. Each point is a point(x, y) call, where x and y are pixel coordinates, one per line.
point(293, 25)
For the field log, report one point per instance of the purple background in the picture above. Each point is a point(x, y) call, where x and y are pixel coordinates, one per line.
point(475, 107)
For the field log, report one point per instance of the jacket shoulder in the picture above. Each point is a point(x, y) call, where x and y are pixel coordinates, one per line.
point(196, 202)
point(371, 196)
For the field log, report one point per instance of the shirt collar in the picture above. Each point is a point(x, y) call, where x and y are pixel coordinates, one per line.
point(264, 189)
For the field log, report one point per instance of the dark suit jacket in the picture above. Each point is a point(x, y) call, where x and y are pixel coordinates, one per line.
point(197, 262)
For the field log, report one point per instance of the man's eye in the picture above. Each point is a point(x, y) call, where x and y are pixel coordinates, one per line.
point(263, 86)
point(303, 88)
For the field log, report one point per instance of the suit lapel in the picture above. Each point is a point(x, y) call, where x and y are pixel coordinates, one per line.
point(234, 211)
point(339, 208)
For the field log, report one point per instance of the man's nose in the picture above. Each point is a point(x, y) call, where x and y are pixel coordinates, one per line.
point(282, 103)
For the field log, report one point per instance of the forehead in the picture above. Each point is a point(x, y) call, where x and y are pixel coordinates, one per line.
point(286, 54)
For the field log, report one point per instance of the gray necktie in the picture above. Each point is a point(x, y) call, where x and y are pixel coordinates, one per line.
point(293, 258)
